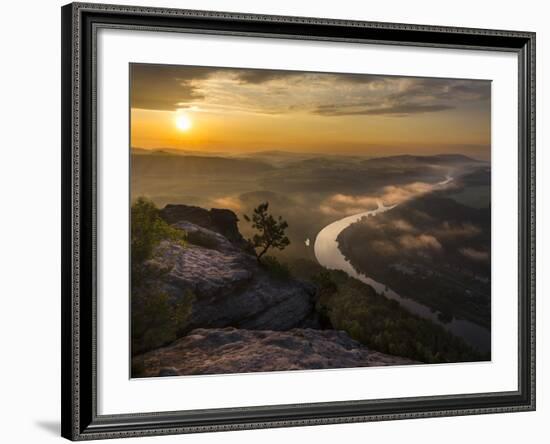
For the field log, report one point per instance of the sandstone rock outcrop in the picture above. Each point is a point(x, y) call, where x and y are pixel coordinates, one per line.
point(230, 350)
point(222, 221)
point(230, 287)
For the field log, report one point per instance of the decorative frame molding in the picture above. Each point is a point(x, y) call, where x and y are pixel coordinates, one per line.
point(80, 22)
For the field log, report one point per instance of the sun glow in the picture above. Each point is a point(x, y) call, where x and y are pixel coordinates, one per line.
point(183, 122)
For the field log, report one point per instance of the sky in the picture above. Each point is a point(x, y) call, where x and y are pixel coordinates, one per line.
point(228, 110)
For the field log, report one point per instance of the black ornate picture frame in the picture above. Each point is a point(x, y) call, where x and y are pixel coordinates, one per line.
point(80, 419)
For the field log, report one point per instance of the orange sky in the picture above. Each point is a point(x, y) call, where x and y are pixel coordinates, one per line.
point(240, 110)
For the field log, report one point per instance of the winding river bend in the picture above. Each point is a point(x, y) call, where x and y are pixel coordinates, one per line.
point(328, 254)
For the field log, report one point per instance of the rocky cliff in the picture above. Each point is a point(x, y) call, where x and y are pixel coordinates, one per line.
point(230, 350)
point(230, 287)
point(244, 318)
point(218, 220)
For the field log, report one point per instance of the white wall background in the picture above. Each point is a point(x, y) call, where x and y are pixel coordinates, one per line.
point(30, 220)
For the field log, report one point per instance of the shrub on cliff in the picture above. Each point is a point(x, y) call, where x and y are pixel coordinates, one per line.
point(148, 229)
point(155, 320)
point(275, 268)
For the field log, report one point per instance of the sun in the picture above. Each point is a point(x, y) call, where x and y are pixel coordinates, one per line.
point(183, 122)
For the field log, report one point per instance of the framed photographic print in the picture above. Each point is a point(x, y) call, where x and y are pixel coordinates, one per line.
point(281, 221)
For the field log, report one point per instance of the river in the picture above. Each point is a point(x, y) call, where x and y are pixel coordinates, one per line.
point(328, 254)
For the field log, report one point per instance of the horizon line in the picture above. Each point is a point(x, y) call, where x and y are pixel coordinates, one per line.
point(183, 151)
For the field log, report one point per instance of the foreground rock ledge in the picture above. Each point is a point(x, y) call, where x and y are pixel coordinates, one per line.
point(230, 350)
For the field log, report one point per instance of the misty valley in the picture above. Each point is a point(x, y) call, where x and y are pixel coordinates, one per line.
point(386, 261)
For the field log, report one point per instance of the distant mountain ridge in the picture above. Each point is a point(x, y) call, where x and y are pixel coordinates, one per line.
point(279, 157)
point(164, 163)
point(434, 159)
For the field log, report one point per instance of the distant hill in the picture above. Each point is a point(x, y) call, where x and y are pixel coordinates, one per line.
point(279, 153)
point(178, 152)
point(437, 159)
point(276, 158)
point(138, 151)
point(167, 164)
point(327, 162)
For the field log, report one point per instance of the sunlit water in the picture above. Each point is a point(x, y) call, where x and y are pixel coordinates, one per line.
point(329, 256)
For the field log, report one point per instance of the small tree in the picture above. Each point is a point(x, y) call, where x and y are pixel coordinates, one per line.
point(271, 231)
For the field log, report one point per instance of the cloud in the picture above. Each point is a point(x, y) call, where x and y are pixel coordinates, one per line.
point(457, 230)
point(331, 210)
point(396, 194)
point(363, 201)
point(169, 87)
point(439, 89)
point(232, 202)
point(385, 248)
point(249, 200)
point(373, 81)
point(475, 255)
point(164, 87)
point(420, 242)
point(402, 225)
point(400, 96)
point(259, 76)
point(397, 110)
point(345, 204)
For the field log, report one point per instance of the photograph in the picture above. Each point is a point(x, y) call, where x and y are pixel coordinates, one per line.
point(295, 220)
point(281, 219)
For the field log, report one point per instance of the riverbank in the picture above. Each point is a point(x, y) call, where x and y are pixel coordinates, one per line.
point(329, 255)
